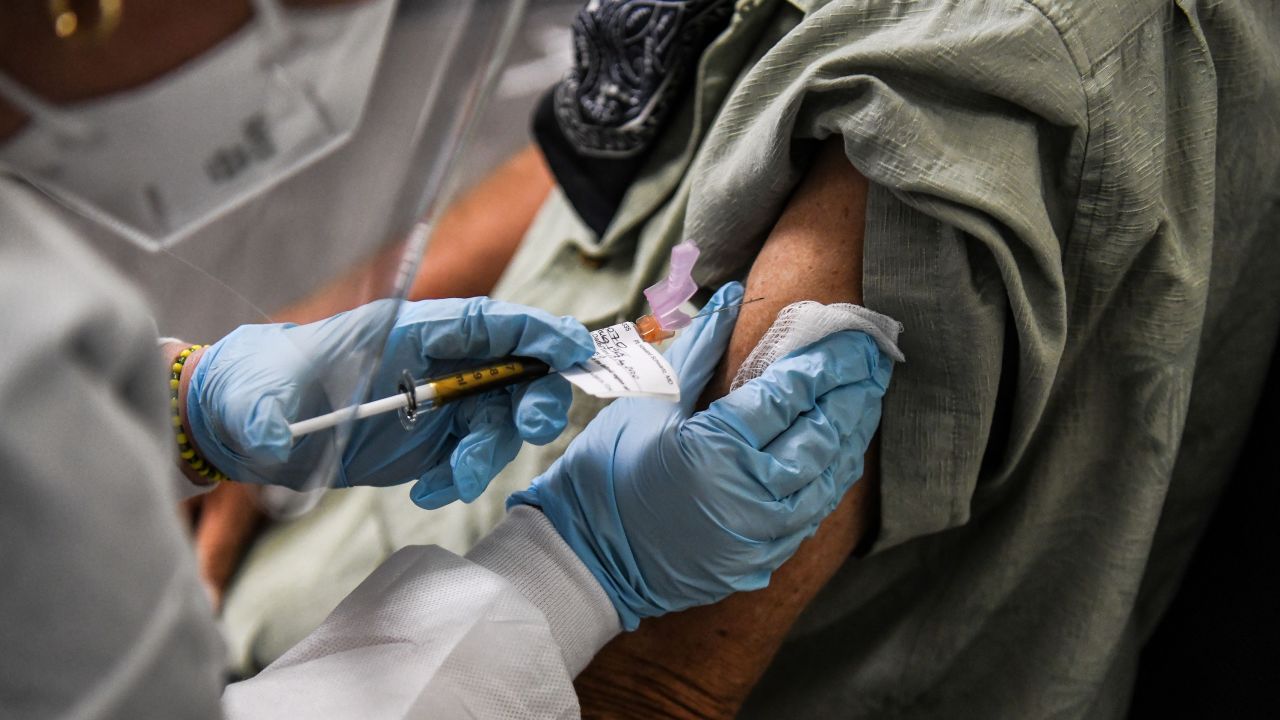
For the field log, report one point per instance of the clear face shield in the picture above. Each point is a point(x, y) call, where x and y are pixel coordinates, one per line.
point(304, 155)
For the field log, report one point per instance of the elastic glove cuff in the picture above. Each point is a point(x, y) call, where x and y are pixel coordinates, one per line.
point(526, 550)
point(631, 606)
point(201, 426)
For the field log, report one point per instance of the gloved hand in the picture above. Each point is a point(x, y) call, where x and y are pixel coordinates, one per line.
point(249, 386)
point(669, 508)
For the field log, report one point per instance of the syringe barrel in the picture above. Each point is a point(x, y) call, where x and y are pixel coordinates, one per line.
point(486, 378)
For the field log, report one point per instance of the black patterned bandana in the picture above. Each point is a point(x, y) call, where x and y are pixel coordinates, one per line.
point(633, 60)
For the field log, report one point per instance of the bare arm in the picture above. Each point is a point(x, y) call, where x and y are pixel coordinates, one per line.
point(703, 662)
point(472, 244)
point(480, 233)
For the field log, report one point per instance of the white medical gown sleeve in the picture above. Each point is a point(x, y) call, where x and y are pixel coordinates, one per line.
point(526, 550)
point(101, 613)
point(433, 635)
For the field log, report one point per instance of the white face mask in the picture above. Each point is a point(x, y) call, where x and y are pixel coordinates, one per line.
point(157, 163)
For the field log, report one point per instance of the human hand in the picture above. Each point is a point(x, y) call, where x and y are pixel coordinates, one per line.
point(669, 508)
point(249, 386)
point(223, 522)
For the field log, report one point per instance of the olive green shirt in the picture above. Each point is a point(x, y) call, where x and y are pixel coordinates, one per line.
point(1075, 213)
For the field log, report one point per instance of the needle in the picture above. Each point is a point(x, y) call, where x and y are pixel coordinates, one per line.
point(728, 307)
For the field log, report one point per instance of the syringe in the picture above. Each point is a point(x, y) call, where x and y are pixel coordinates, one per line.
point(665, 298)
point(434, 393)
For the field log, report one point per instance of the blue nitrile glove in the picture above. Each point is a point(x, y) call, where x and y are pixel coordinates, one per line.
point(250, 385)
point(669, 508)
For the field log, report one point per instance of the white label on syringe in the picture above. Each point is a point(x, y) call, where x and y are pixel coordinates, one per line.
point(624, 366)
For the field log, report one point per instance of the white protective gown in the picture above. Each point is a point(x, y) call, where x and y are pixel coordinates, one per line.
point(102, 614)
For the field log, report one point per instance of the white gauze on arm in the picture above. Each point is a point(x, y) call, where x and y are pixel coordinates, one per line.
point(801, 323)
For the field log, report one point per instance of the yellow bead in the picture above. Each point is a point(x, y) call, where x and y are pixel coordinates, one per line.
point(187, 454)
point(182, 438)
point(173, 384)
point(176, 367)
point(177, 421)
point(185, 353)
point(173, 403)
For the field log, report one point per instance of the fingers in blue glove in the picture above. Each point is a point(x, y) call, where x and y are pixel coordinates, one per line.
point(801, 453)
point(765, 407)
point(697, 351)
point(483, 328)
point(801, 512)
point(263, 435)
point(434, 489)
point(488, 442)
point(481, 455)
point(542, 409)
point(841, 422)
point(244, 426)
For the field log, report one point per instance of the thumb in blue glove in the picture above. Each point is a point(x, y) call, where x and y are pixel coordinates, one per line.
point(669, 508)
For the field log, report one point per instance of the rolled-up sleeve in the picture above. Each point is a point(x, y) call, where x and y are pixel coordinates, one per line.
point(970, 120)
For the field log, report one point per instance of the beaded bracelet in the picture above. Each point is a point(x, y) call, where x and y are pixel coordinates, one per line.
point(186, 450)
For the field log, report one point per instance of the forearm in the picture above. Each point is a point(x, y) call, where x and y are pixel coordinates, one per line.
point(469, 249)
point(704, 661)
point(477, 237)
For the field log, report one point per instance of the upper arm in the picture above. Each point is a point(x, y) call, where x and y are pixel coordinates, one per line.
point(705, 660)
point(813, 253)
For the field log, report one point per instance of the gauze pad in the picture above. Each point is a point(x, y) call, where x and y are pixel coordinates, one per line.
point(807, 321)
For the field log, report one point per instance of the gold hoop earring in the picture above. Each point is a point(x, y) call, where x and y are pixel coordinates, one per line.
point(73, 25)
